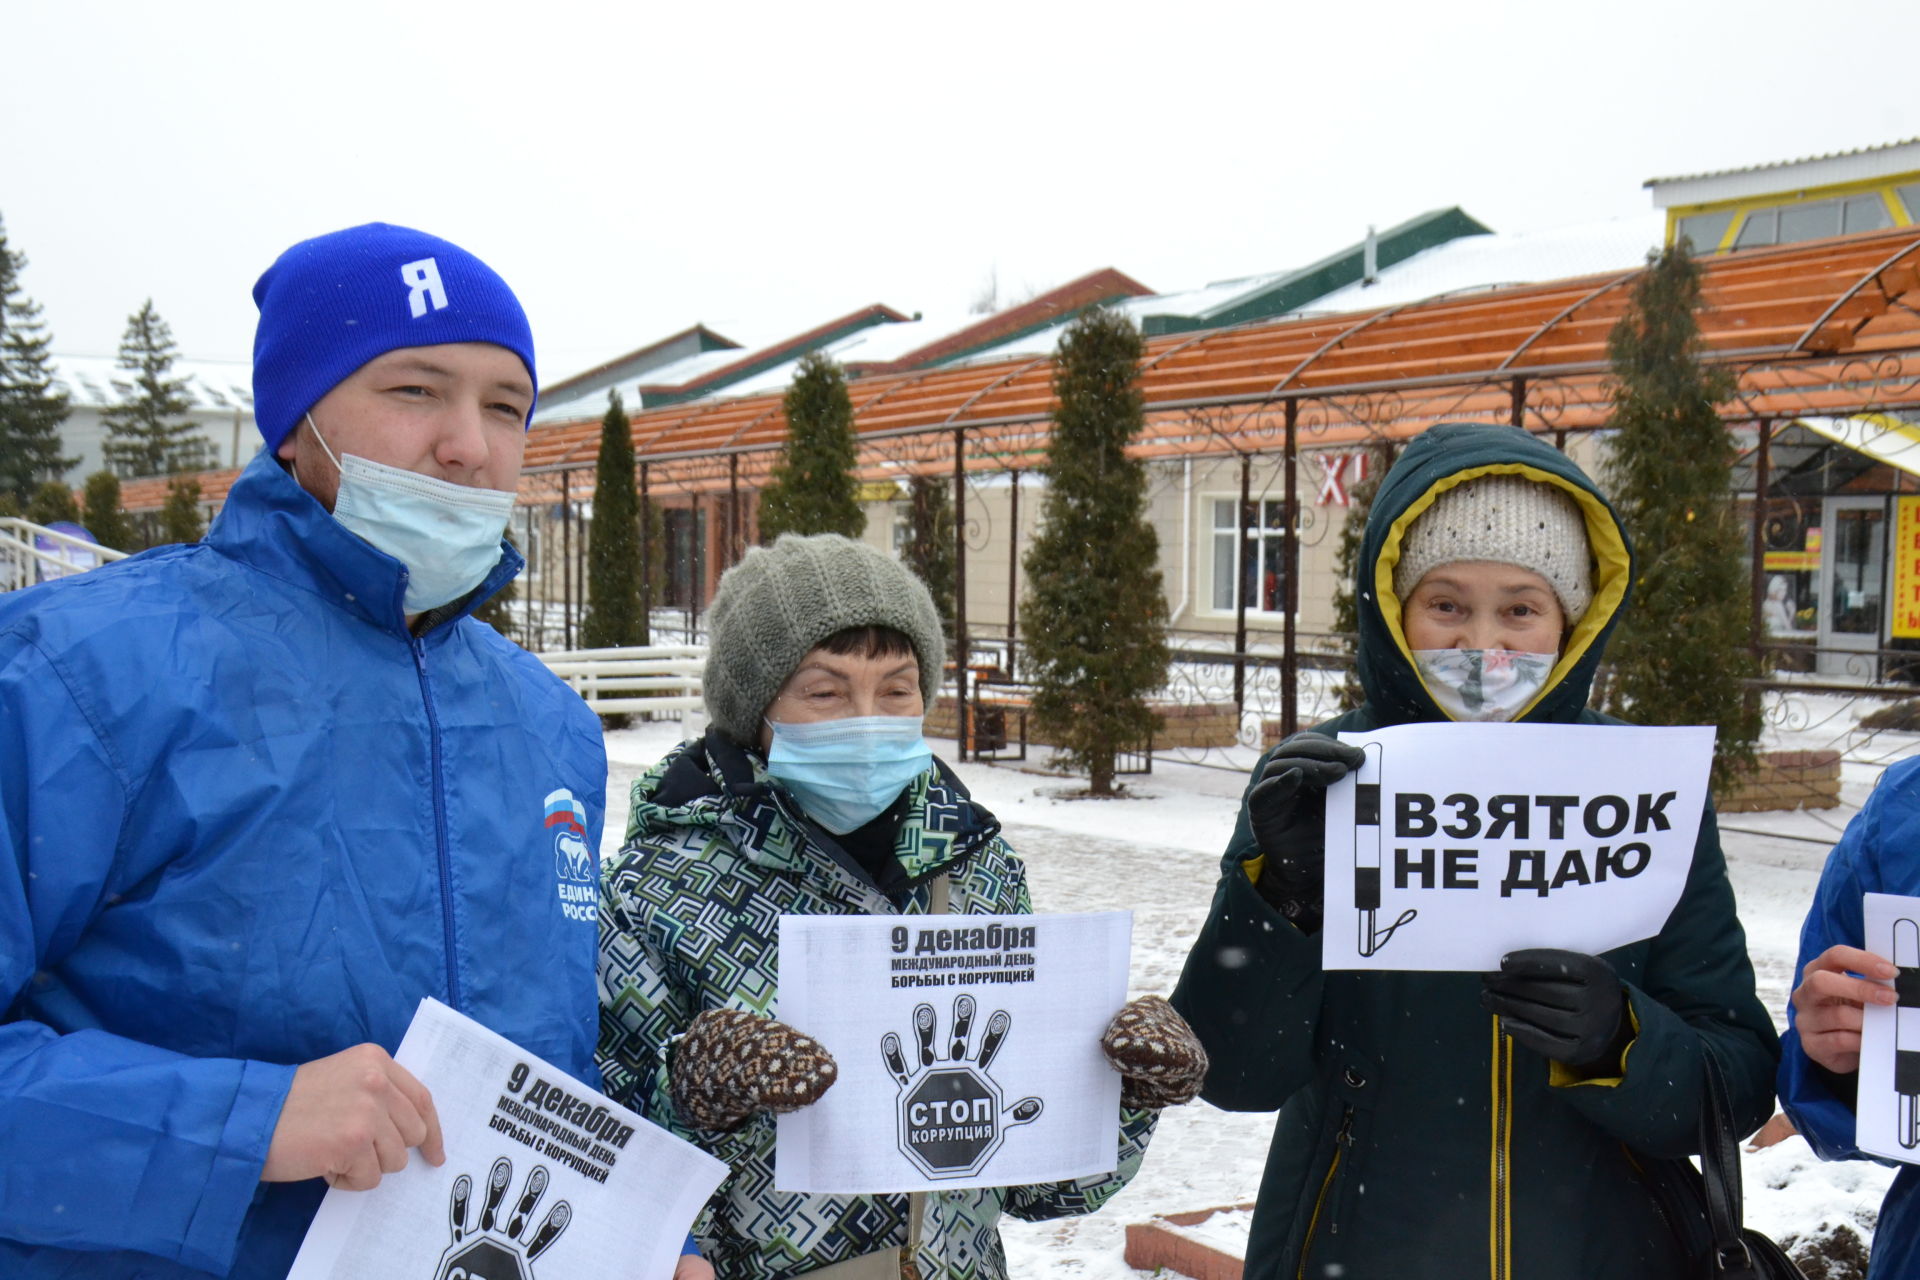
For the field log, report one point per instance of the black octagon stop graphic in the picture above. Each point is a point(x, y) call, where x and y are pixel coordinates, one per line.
point(483, 1260)
point(950, 1122)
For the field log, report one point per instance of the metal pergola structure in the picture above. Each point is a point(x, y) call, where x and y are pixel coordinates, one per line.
point(1828, 328)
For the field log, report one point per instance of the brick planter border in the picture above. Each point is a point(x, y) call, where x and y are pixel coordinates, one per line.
point(1159, 1243)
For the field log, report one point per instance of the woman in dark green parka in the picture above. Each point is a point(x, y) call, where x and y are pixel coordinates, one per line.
point(1419, 1133)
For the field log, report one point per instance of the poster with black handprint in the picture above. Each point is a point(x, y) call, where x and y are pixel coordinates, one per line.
point(488, 1244)
point(968, 1049)
point(545, 1178)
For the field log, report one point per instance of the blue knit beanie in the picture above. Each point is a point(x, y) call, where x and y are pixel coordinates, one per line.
point(330, 304)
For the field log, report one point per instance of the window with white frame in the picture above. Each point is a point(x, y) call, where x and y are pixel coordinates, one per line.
point(1261, 572)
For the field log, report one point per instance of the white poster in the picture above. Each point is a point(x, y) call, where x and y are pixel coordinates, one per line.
point(1887, 1113)
point(1457, 843)
point(545, 1178)
point(968, 1047)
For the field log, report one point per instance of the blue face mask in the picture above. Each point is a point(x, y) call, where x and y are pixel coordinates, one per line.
point(846, 772)
point(448, 535)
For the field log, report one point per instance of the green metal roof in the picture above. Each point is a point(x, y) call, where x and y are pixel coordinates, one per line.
point(1297, 289)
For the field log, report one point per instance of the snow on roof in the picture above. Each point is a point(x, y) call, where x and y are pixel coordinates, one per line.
point(1785, 164)
point(683, 370)
point(98, 382)
point(1505, 258)
point(876, 343)
point(1783, 176)
point(1203, 301)
point(1041, 342)
point(1467, 263)
point(884, 342)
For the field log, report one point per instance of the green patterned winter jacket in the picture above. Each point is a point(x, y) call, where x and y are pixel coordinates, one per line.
point(715, 853)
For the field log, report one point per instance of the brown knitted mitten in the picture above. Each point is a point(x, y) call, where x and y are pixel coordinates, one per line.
point(731, 1064)
point(1159, 1059)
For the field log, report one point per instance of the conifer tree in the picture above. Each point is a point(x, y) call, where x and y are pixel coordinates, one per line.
point(1096, 615)
point(180, 519)
point(32, 407)
point(1681, 651)
point(146, 433)
point(52, 503)
point(614, 613)
point(929, 550)
point(101, 514)
point(1346, 562)
point(812, 489)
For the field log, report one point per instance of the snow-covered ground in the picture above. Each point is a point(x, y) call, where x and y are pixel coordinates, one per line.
point(1156, 853)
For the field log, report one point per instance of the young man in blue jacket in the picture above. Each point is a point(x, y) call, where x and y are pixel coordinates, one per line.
point(1837, 978)
point(261, 794)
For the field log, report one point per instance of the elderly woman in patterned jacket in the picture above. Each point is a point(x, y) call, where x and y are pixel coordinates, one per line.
point(814, 793)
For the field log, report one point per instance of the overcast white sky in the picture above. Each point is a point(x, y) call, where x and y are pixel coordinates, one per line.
point(632, 168)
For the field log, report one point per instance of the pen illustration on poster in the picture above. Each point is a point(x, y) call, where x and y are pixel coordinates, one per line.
point(1366, 856)
point(1906, 1031)
point(1887, 1096)
point(953, 1115)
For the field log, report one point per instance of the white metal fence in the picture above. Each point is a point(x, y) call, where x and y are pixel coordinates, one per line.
point(31, 553)
point(658, 677)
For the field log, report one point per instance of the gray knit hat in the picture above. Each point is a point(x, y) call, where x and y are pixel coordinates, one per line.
point(1507, 519)
point(780, 602)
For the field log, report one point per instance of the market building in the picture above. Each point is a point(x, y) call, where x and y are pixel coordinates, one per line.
point(1841, 583)
point(1268, 397)
point(220, 406)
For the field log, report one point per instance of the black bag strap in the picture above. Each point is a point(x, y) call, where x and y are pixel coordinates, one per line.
point(1720, 1168)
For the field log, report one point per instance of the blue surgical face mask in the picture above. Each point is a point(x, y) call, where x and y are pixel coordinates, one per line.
point(448, 535)
point(846, 772)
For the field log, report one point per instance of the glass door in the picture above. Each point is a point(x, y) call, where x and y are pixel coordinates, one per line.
point(1852, 584)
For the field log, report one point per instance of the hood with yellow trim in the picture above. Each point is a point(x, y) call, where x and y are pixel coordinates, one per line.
point(1432, 463)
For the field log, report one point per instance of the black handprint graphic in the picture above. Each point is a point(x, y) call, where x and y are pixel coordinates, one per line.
point(952, 1116)
point(492, 1252)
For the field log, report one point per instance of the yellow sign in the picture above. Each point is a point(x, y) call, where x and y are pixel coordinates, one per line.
point(1906, 568)
point(879, 491)
point(1807, 561)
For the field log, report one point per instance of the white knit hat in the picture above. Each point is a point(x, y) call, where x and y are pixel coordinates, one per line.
point(1507, 519)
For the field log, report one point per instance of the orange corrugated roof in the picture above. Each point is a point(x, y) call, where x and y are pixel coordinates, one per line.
point(150, 494)
point(1826, 327)
point(1797, 321)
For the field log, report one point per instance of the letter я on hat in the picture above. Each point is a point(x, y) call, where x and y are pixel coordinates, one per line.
point(330, 304)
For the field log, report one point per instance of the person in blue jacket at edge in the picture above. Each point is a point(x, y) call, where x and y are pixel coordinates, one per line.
point(261, 794)
point(1836, 979)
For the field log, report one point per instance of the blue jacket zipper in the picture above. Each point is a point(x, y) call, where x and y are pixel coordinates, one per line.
point(439, 825)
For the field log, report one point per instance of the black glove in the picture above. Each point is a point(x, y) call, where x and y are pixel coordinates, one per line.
point(1287, 810)
point(1564, 1005)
